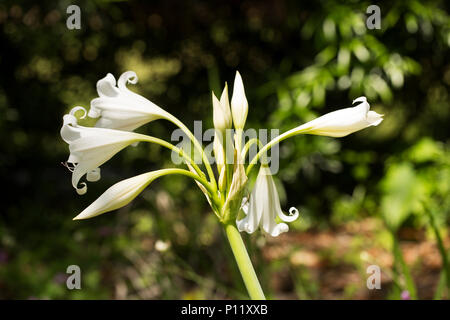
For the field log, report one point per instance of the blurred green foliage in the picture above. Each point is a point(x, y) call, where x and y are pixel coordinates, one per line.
point(298, 60)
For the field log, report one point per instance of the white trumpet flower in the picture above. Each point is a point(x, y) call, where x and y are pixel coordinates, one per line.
point(119, 195)
point(91, 147)
point(239, 104)
point(264, 207)
point(119, 108)
point(342, 122)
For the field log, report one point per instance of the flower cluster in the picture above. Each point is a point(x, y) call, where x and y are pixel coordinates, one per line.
point(120, 111)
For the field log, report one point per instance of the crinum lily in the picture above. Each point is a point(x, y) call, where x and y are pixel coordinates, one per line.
point(120, 111)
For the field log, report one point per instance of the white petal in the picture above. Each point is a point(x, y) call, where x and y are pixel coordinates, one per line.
point(83, 189)
point(117, 196)
point(244, 205)
point(225, 104)
point(119, 108)
point(91, 147)
point(106, 87)
point(374, 118)
point(289, 218)
point(342, 122)
point(239, 104)
point(278, 229)
point(127, 77)
point(251, 221)
point(219, 120)
point(264, 207)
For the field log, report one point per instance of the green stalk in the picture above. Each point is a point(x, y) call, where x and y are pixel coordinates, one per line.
point(404, 267)
point(244, 263)
point(170, 146)
point(249, 144)
point(197, 145)
point(194, 176)
point(271, 143)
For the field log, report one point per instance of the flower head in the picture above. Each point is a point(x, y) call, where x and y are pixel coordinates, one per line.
point(239, 104)
point(119, 108)
point(91, 147)
point(264, 207)
point(343, 122)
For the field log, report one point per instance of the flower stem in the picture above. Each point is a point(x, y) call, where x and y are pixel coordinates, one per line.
point(244, 263)
point(404, 269)
point(170, 146)
point(442, 250)
point(197, 145)
point(271, 143)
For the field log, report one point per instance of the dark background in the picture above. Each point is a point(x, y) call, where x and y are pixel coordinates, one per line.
point(357, 196)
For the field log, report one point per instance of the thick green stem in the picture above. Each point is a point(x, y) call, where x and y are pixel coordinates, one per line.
point(244, 263)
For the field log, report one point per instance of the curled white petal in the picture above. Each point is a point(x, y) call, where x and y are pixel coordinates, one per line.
point(119, 108)
point(82, 189)
point(76, 109)
point(91, 147)
point(127, 77)
point(289, 218)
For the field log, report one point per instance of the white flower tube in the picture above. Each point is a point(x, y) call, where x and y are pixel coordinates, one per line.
point(119, 108)
point(264, 207)
point(239, 104)
point(91, 147)
point(342, 122)
point(119, 195)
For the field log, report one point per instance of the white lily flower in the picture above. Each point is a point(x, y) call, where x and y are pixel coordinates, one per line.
point(119, 195)
point(342, 122)
point(264, 207)
point(91, 147)
point(239, 104)
point(119, 108)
